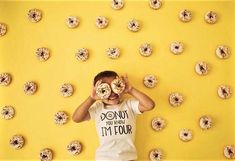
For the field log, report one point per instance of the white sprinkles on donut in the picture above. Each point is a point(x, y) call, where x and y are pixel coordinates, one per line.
point(60, 117)
point(133, 25)
point(145, 49)
point(34, 15)
point(155, 4)
point(17, 142)
point(3, 29)
point(30, 88)
point(210, 17)
point(185, 135)
point(177, 47)
point(74, 147)
point(113, 53)
point(185, 15)
point(224, 91)
point(155, 155)
point(117, 4)
point(66, 90)
point(150, 81)
point(222, 51)
point(46, 154)
point(82, 54)
point(72, 22)
point(42, 53)
point(5, 79)
point(101, 22)
point(175, 99)
point(103, 90)
point(7, 112)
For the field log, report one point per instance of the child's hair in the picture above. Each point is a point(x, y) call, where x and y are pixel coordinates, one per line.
point(104, 74)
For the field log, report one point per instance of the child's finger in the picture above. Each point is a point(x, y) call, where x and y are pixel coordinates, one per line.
point(98, 83)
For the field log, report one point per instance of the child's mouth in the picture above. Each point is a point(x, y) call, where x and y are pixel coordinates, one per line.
point(113, 97)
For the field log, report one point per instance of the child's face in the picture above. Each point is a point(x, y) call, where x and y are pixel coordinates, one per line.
point(113, 98)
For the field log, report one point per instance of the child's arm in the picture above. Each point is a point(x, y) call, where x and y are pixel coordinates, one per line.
point(146, 103)
point(82, 113)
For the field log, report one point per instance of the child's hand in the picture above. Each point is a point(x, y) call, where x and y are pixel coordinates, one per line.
point(128, 87)
point(93, 91)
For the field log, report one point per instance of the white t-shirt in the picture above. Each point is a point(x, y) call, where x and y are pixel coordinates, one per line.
point(115, 125)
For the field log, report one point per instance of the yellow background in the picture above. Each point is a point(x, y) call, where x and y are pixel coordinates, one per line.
point(34, 114)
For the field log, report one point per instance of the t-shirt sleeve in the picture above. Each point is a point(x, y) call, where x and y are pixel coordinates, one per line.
point(134, 105)
point(93, 109)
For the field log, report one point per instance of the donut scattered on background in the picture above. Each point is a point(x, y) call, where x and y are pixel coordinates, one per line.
point(224, 91)
point(229, 151)
point(185, 135)
point(46, 154)
point(185, 15)
point(158, 123)
point(155, 4)
point(201, 68)
point(30, 88)
point(66, 90)
point(101, 22)
point(34, 15)
point(222, 52)
point(82, 54)
point(145, 49)
point(177, 47)
point(5, 79)
point(42, 53)
point(175, 99)
point(3, 29)
point(117, 4)
point(103, 90)
point(60, 117)
point(74, 147)
point(17, 141)
point(72, 21)
point(155, 155)
point(210, 17)
point(150, 81)
point(133, 25)
point(113, 53)
point(7, 112)
point(205, 122)
point(118, 85)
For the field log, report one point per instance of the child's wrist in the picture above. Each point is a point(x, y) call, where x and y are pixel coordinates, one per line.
point(130, 90)
point(92, 99)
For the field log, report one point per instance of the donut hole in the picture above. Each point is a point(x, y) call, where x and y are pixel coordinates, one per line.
point(6, 112)
point(230, 152)
point(156, 155)
point(100, 21)
point(65, 90)
point(224, 92)
point(150, 81)
point(73, 148)
point(159, 124)
point(28, 88)
point(185, 134)
point(15, 142)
